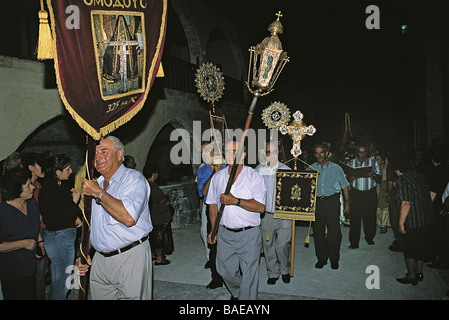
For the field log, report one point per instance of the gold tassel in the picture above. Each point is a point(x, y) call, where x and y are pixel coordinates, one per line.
point(160, 72)
point(45, 42)
point(306, 244)
point(267, 238)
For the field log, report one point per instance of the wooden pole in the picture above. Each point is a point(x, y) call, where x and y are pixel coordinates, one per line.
point(85, 229)
point(292, 254)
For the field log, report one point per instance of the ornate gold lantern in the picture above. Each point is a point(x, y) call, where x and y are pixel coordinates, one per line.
point(267, 59)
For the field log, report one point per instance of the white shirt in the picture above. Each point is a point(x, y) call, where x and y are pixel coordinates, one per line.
point(248, 185)
point(445, 193)
point(131, 187)
point(269, 176)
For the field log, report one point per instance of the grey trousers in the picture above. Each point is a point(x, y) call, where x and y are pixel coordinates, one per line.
point(238, 256)
point(277, 248)
point(125, 276)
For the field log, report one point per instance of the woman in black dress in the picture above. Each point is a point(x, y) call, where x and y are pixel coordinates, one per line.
point(19, 236)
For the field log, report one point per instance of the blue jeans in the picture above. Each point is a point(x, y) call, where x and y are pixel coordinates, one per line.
point(42, 269)
point(60, 248)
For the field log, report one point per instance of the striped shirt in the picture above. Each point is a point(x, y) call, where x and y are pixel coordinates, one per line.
point(414, 188)
point(365, 184)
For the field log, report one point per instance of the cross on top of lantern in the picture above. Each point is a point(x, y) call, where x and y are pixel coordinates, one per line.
point(266, 61)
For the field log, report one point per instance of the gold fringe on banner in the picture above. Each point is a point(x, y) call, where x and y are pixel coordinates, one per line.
point(44, 44)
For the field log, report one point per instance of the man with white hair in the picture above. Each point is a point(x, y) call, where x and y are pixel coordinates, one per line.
point(276, 233)
point(120, 225)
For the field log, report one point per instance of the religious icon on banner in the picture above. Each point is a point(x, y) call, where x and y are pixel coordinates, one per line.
point(119, 45)
point(295, 195)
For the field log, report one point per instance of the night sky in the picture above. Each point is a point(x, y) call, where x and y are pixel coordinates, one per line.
point(338, 65)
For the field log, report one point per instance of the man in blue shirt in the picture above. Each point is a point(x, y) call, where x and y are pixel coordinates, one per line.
point(331, 180)
point(364, 198)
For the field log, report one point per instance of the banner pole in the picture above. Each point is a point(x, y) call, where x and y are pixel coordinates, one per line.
point(292, 255)
point(85, 229)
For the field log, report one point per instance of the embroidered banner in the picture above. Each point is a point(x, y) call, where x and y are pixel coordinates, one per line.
point(295, 195)
point(108, 53)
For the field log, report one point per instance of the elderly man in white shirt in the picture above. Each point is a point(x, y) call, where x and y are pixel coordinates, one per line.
point(238, 239)
point(120, 225)
point(276, 233)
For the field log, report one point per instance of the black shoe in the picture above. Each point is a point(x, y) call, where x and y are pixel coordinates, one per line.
point(272, 280)
point(162, 263)
point(320, 264)
point(395, 248)
point(334, 265)
point(353, 247)
point(406, 280)
point(214, 284)
point(234, 298)
point(370, 242)
point(286, 278)
point(420, 276)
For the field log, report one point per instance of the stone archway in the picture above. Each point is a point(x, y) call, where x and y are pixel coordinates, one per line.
point(159, 156)
point(177, 181)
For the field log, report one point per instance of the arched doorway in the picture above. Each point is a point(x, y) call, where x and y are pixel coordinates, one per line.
point(59, 135)
point(159, 156)
point(175, 180)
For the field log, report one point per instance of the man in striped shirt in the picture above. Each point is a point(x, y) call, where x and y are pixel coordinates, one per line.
point(363, 196)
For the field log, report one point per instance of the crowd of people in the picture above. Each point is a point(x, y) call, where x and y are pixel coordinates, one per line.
point(41, 214)
point(402, 191)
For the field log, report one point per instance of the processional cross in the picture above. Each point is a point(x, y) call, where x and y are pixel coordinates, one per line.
point(297, 131)
point(277, 115)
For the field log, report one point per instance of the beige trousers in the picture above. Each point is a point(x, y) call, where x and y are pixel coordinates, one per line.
point(125, 276)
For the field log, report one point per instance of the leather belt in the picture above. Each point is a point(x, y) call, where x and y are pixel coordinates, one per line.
point(125, 248)
point(328, 197)
point(239, 229)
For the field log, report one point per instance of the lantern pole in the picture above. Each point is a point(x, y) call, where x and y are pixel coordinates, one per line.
point(267, 61)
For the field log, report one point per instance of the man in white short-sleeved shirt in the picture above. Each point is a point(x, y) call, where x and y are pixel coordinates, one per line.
point(121, 223)
point(276, 233)
point(238, 240)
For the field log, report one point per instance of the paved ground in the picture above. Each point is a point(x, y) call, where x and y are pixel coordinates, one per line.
point(185, 277)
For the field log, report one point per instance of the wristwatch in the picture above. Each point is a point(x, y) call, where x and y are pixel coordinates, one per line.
point(98, 199)
point(238, 202)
